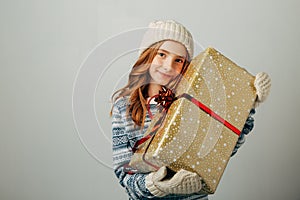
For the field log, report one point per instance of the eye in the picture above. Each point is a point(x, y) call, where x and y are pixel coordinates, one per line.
point(161, 54)
point(179, 60)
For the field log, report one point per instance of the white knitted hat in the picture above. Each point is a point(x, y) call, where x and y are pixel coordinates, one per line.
point(167, 30)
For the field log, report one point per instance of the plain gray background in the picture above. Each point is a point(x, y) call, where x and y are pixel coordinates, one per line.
point(43, 44)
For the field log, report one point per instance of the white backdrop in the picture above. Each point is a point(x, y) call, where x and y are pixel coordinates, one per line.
point(43, 44)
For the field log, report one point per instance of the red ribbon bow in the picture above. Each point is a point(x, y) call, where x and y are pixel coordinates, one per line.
point(165, 98)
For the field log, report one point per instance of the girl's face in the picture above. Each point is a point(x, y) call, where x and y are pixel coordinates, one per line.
point(167, 63)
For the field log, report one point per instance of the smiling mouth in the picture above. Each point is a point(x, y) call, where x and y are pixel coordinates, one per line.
point(165, 75)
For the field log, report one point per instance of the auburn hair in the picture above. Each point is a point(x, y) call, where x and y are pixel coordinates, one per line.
point(138, 83)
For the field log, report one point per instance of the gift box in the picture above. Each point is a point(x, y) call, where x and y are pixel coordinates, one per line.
point(200, 128)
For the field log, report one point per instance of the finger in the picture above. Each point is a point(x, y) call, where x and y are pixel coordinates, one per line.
point(160, 174)
point(180, 176)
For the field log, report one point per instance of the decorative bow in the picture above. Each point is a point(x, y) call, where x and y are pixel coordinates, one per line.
point(165, 98)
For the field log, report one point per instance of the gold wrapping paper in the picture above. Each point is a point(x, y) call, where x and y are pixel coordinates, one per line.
point(189, 138)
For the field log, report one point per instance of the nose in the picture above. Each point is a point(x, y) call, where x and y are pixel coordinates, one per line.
point(168, 64)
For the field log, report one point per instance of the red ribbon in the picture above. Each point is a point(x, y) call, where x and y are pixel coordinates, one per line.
point(211, 113)
point(165, 98)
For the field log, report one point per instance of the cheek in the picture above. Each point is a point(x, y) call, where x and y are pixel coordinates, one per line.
point(154, 65)
point(156, 62)
point(152, 70)
point(178, 69)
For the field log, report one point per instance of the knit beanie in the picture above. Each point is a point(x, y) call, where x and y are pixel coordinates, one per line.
point(167, 30)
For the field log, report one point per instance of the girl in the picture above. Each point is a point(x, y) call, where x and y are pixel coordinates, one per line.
point(166, 51)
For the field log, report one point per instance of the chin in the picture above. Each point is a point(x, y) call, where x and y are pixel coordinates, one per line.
point(165, 83)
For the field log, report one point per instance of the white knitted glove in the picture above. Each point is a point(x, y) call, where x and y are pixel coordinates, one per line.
point(155, 177)
point(183, 182)
point(262, 84)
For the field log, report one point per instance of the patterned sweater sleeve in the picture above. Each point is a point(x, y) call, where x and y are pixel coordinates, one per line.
point(133, 183)
point(246, 129)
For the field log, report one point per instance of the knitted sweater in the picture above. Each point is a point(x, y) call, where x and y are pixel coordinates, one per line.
point(125, 134)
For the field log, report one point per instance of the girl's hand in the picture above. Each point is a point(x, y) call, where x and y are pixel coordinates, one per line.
point(183, 182)
point(154, 177)
point(262, 84)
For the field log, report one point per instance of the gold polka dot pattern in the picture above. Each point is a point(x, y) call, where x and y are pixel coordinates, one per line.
point(191, 139)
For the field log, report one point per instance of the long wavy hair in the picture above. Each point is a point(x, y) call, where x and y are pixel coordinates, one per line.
point(138, 84)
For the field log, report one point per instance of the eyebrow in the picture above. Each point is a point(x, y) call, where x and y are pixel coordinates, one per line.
point(165, 51)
